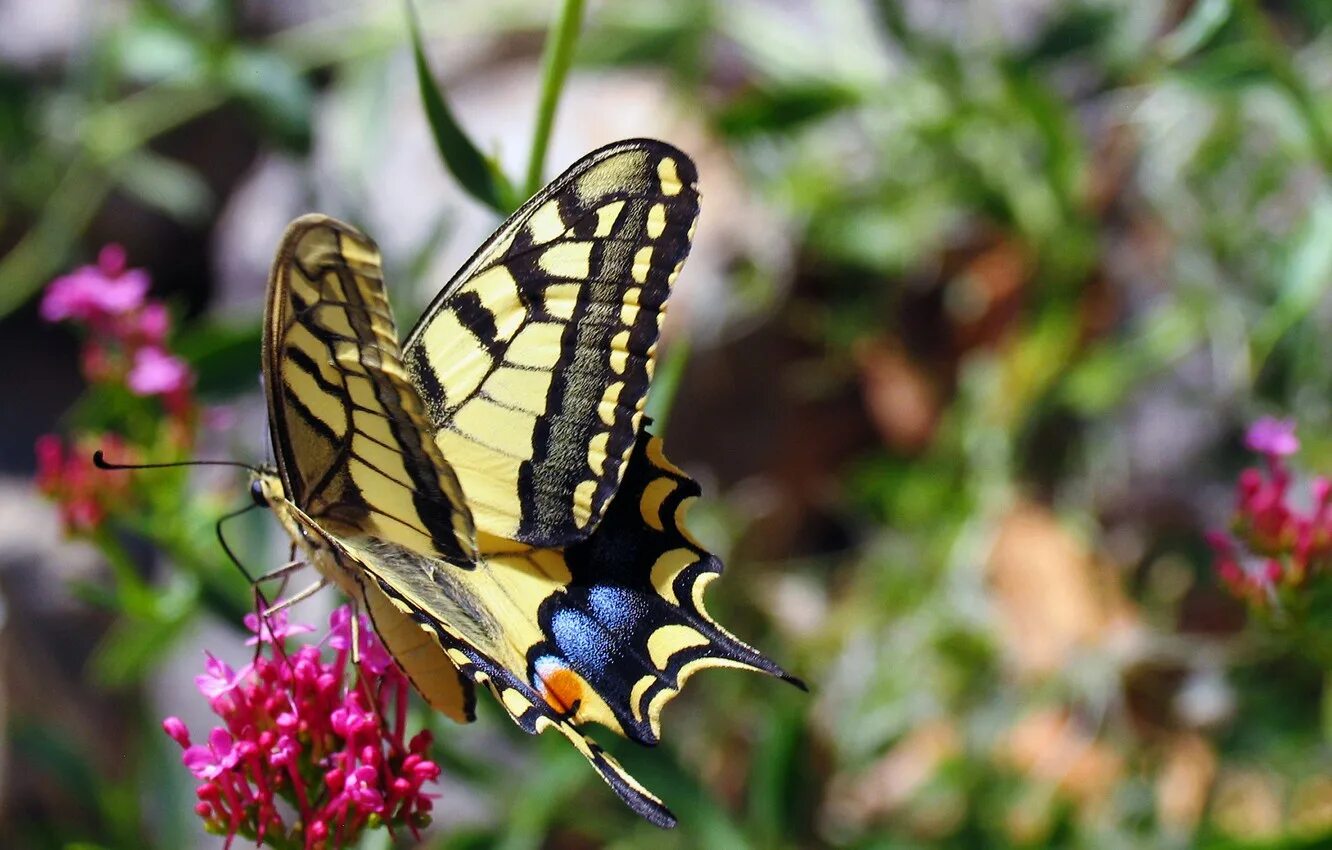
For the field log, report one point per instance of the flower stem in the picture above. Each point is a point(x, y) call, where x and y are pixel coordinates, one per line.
point(555, 67)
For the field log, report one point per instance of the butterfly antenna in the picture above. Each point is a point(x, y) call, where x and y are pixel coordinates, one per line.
point(100, 461)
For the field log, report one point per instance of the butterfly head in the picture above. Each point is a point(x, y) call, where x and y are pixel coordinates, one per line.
point(266, 487)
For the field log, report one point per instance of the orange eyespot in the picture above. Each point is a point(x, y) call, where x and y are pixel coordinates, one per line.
point(562, 689)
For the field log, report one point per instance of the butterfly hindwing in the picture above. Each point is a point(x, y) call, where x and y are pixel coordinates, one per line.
point(431, 672)
point(349, 430)
point(535, 359)
point(606, 631)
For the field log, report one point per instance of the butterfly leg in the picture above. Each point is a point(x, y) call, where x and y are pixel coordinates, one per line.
point(356, 634)
point(284, 604)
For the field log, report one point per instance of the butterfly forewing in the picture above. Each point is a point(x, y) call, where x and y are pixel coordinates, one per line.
point(349, 430)
point(534, 361)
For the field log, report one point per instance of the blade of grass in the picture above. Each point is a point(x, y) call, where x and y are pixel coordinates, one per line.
point(462, 158)
point(554, 69)
point(661, 396)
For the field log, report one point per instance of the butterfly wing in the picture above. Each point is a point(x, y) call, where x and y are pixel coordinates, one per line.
point(606, 631)
point(349, 434)
point(534, 361)
point(349, 430)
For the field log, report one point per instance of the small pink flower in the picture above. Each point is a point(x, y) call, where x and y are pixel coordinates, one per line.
point(152, 323)
point(157, 373)
point(219, 679)
point(175, 727)
point(96, 293)
point(273, 628)
point(211, 761)
point(1272, 437)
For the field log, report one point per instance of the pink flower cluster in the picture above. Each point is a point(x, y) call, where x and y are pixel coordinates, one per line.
point(1273, 543)
point(125, 345)
point(84, 493)
point(127, 330)
point(295, 729)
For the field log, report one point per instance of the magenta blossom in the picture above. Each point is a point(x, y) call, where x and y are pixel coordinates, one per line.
point(1272, 437)
point(95, 294)
point(373, 655)
point(126, 332)
point(274, 628)
point(1274, 543)
point(312, 752)
point(157, 373)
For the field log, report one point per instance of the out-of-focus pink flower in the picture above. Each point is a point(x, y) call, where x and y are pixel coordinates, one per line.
point(1272, 437)
point(157, 373)
point(296, 728)
point(127, 339)
point(152, 324)
point(96, 293)
point(83, 493)
point(1276, 543)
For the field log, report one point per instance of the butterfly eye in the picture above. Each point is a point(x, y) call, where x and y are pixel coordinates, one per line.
point(257, 493)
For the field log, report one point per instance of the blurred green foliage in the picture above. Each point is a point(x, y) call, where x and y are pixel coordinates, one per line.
point(1049, 259)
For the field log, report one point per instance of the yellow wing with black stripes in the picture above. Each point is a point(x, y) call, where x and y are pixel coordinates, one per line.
point(605, 631)
point(534, 361)
point(351, 439)
point(349, 431)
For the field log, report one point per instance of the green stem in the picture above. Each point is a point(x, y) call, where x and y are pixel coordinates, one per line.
point(134, 595)
point(555, 67)
point(661, 398)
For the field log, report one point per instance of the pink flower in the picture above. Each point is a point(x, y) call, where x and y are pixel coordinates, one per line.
point(273, 628)
point(220, 755)
point(96, 293)
point(309, 753)
point(372, 653)
point(1272, 437)
point(152, 323)
point(1277, 543)
point(157, 373)
point(84, 494)
point(219, 679)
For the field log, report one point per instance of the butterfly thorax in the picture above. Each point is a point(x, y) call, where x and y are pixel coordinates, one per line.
point(319, 549)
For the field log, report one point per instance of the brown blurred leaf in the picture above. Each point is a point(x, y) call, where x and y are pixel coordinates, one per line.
point(985, 298)
point(891, 782)
point(1247, 805)
point(1053, 596)
point(1185, 779)
point(1050, 746)
point(1311, 807)
point(900, 398)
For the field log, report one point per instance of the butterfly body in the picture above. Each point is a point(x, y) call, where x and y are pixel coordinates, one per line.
point(487, 492)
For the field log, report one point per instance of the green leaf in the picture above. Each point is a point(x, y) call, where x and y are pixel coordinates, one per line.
point(1303, 284)
point(132, 646)
point(166, 185)
point(465, 162)
point(783, 109)
point(225, 358)
point(275, 90)
point(1203, 22)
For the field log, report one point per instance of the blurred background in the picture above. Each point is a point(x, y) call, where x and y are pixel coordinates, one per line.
point(984, 296)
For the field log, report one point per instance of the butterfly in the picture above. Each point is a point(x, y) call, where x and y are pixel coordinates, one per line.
point(487, 492)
